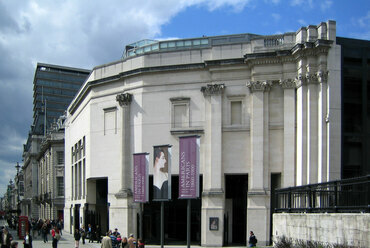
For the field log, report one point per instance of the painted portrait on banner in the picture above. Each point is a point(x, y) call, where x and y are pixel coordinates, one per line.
point(161, 173)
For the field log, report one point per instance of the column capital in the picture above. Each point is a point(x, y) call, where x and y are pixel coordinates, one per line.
point(213, 89)
point(259, 85)
point(311, 78)
point(322, 76)
point(288, 83)
point(124, 99)
point(300, 80)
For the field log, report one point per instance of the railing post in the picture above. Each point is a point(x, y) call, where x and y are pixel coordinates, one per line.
point(289, 200)
point(336, 197)
point(309, 199)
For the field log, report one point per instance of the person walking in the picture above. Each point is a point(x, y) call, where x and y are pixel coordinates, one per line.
point(98, 234)
point(90, 233)
point(106, 242)
point(77, 237)
point(131, 241)
point(55, 236)
point(83, 234)
point(44, 231)
point(27, 241)
point(252, 239)
point(5, 238)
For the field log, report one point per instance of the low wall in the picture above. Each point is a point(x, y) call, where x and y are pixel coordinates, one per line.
point(349, 229)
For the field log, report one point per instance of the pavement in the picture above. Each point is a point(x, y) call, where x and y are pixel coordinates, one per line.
point(67, 241)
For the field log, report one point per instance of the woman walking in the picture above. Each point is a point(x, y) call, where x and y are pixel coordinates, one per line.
point(77, 237)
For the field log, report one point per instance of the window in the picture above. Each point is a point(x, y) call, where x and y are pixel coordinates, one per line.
point(235, 116)
point(60, 157)
point(60, 186)
point(180, 112)
point(236, 112)
point(110, 121)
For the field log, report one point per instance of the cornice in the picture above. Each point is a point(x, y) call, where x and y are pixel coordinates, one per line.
point(287, 83)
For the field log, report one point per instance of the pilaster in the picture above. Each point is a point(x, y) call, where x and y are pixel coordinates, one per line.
point(213, 190)
point(258, 205)
point(288, 175)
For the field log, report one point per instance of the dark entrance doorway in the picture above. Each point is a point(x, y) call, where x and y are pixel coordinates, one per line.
point(97, 214)
point(77, 217)
point(174, 219)
point(236, 187)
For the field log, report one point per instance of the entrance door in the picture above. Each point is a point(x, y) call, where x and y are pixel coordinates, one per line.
point(174, 219)
point(77, 217)
point(236, 187)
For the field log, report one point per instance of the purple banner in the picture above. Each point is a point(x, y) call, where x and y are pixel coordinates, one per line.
point(141, 177)
point(162, 173)
point(189, 167)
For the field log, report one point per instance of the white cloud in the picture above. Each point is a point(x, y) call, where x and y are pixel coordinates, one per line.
point(276, 16)
point(308, 3)
point(302, 22)
point(365, 20)
point(324, 5)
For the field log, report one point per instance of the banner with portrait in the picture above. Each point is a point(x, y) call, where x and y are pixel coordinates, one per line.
point(189, 167)
point(162, 173)
point(141, 177)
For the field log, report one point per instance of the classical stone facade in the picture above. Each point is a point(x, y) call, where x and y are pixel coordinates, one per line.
point(267, 109)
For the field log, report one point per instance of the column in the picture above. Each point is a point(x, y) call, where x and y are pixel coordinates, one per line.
point(312, 127)
point(288, 175)
point(258, 202)
point(322, 127)
point(213, 180)
point(124, 101)
point(121, 210)
point(301, 130)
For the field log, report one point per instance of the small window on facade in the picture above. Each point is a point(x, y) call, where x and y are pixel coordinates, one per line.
point(180, 112)
point(60, 186)
point(60, 157)
point(110, 121)
point(236, 112)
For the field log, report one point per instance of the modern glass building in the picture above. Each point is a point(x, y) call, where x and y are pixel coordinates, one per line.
point(54, 87)
point(355, 107)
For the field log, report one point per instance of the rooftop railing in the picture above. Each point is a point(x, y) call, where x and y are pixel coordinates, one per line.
point(342, 196)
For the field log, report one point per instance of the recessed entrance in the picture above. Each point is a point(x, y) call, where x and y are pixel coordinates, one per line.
point(174, 219)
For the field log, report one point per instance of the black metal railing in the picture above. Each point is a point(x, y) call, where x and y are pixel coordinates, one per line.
point(346, 196)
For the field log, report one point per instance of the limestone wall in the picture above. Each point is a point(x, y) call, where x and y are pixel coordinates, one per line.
point(350, 229)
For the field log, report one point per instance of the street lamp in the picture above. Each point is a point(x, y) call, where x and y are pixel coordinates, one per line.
point(18, 186)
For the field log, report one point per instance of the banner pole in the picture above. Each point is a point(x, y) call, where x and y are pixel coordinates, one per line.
point(162, 224)
point(188, 224)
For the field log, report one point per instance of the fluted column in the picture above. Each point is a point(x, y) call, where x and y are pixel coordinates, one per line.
point(288, 175)
point(312, 127)
point(322, 76)
point(213, 191)
point(301, 167)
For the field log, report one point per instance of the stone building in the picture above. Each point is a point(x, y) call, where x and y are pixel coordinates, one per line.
point(51, 173)
point(267, 110)
point(54, 87)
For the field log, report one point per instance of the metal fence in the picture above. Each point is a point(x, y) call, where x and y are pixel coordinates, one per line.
point(342, 196)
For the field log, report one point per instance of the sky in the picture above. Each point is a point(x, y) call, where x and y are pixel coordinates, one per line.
point(88, 33)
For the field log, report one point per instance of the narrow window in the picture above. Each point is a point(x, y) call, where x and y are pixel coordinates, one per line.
point(236, 112)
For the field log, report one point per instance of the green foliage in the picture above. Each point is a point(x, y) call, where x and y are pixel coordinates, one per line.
point(284, 242)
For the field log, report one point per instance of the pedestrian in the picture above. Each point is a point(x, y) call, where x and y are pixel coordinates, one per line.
point(83, 234)
point(252, 239)
point(44, 231)
point(131, 241)
point(106, 242)
point(5, 238)
point(98, 234)
point(27, 240)
point(124, 242)
point(140, 243)
point(90, 233)
point(77, 237)
point(55, 236)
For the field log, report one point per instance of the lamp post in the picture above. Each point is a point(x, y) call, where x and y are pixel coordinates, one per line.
point(18, 186)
